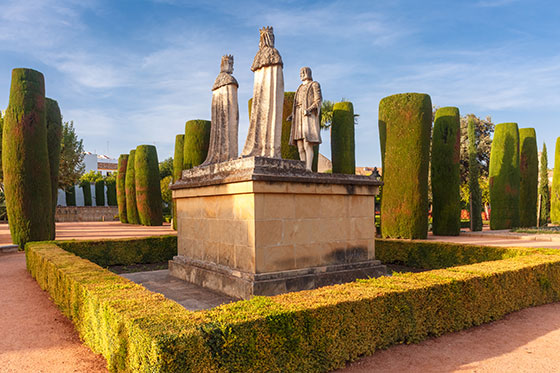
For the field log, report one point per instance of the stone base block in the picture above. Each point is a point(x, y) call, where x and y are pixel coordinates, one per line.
point(246, 285)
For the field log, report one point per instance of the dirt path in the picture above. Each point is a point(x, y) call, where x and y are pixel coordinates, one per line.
point(34, 335)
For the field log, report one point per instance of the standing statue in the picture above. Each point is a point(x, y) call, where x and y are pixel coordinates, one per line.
point(225, 115)
point(306, 131)
point(265, 128)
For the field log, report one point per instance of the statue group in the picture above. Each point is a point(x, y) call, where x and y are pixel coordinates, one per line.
point(265, 128)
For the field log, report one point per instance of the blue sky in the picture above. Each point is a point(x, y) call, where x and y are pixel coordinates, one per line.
point(133, 71)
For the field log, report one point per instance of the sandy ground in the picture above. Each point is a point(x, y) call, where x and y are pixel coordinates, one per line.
point(36, 337)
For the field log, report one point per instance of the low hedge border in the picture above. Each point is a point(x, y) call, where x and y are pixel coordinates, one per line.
point(313, 331)
point(124, 251)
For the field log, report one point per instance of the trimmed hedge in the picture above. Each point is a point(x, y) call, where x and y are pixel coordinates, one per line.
point(196, 142)
point(148, 187)
point(177, 169)
point(544, 191)
point(529, 177)
point(86, 190)
point(555, 191)
point(25, 159)
point(446, 177)
point(288, 151)
point(342, 139)
point(100, 193)
point(407, 121)
point(111, 185)
point(130, 190)
point(54, 138)
point(475, 194)
point(124, 251)
point(313, 331)
point(121, 189)
point(504, 177)
point(70, 193)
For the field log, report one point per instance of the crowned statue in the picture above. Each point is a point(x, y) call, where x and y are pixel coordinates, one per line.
point(265, 128)
point(225, 115)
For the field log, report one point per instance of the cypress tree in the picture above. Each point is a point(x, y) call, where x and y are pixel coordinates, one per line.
point(446, 178)
point(529, 178)
point(544, 191)
point(54, 138)
point(70, 193)
point(504, 177)
point(110, 183)
point(196, 142)
point(288, 151)
point(177, 169)
point(342, 139)
point(121, 191)
point(407, 119)
point(555, 192)
point(475, 195)
point(1, 130)
point(130, 188)
point(25, 159)
point(148, 187)
point(86, 189)
point(100, 193)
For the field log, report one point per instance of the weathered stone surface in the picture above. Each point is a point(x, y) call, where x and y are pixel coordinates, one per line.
point(86, 213)
point(265, 128)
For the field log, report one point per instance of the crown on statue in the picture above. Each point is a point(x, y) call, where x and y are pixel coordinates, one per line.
point(227, 63)
point(267, 37)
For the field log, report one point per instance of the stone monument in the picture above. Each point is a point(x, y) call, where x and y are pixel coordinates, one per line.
point(306, 131)
point(262, 225)
point(265, 128)
point(225, 115)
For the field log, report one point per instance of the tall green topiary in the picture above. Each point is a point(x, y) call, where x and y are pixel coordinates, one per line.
point(504, 177)
point(196, 142)
point(177, 169)
point(544, 191)
point(529, 178)
point(121, 191)
point(148, 188)
point(70, 194)
point(1, 130)
point(407, 119)
point(288, 151)
point(555, 192)
point(111, 185)
point(86, 189)
point(100, 193)
point(475, 195)
point(25, 159)
point(54, 138)
point(446, 178)
point(130, 188)
point(342, 139)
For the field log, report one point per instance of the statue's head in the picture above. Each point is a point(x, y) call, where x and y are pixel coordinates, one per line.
point(227, 64)
point(305, 73)
point(267, 37)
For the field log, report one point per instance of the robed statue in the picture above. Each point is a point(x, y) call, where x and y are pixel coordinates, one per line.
point(225, 115)
point(306, 132)
point(265, 128)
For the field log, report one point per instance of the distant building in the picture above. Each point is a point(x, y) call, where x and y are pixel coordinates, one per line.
point(324, 164)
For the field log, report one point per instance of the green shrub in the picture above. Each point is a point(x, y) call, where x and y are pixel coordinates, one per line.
point(342, 139)
point(130, 188)
point(310, 331)
point(475, 194)
point(196, 142)
point(86, 190)
point(100, 193)
point(407, 120)
point(110, 183)
point(148, 192)
point(555, 191)
point(70, 193)
point(54, 138)
point(446, 178)
point(504, 177)
point(177, 169)
point(288, 151)
point(529, 178)
point(25, 159)
point(124, 251)
point(544, 191)
point(121, 189)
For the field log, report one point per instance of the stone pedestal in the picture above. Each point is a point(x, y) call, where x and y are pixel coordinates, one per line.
point(262, 226)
